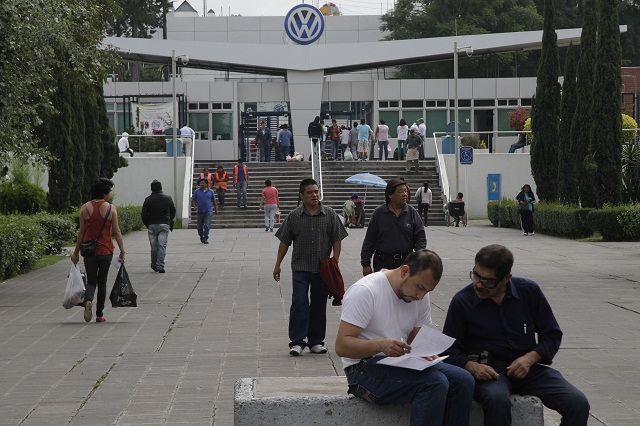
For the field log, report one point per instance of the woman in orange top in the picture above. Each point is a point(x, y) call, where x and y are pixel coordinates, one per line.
point(93, 215)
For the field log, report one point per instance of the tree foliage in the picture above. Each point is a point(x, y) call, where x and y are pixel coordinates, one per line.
point(582, 119)
point(140, 18)
point(567, 180)
point(42, 40)
point(604, 159)
point(442, 18)
point(546, 112)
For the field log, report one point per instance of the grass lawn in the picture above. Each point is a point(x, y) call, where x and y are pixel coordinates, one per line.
point(48, 260)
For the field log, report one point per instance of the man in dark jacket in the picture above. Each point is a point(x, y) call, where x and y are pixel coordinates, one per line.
point(158, 212)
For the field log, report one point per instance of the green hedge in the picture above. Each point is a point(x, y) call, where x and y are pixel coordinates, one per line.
point(619, 223)
point(24, 239)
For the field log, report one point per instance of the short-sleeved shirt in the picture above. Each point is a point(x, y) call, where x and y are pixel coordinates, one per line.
point(372, 305)
point(393, 234)
point(363, 132)
point(312, 236)
point(270, 195)
point(283, 137)
point(204, 200)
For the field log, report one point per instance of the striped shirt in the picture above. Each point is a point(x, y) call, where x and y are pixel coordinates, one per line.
point(312, 236)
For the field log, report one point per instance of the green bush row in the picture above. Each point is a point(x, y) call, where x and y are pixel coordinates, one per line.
point(614, 223)
point(24, 239)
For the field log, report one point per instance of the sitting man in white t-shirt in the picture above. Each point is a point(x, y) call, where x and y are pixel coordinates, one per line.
point(381, 315)
point(123, 144)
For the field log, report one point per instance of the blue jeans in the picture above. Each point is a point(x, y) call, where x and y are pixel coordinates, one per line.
point(97, 270)
point(269, 215)
point(220, 195)
point(401, 149)
point(335, 146)
point(284, 151)
point(204, 224)
point(241, 193)
point(439, 395)
point(265, 152)
point(542, 381)
point(158, 236)
point(307, 318)
point(383, 150)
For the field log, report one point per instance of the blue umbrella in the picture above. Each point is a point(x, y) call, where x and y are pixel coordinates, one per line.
point(367, 179)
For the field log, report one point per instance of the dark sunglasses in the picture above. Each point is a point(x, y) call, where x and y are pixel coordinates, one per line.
point(488, 283)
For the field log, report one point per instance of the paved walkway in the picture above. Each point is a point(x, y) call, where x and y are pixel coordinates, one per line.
point(217, 315)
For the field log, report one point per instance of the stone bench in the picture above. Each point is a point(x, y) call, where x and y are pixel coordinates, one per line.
point(277, 401)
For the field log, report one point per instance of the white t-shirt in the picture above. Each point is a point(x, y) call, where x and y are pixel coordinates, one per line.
point(422, 129)
point(403, 132)
point(123, 144)
point(372, 305)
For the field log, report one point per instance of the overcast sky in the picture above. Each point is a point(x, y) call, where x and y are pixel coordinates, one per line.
point(281, 7)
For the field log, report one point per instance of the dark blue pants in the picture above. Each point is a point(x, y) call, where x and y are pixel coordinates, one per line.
point(526, 221)
point(308, 313)
point(220, 194)
point(439, 395)
point(554, 391)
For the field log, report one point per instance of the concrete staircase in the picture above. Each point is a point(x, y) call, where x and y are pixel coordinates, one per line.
point(286, 177)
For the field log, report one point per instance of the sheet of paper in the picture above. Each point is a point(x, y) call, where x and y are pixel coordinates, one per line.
point(409, 361)
point(115, 262)
point(430, 342)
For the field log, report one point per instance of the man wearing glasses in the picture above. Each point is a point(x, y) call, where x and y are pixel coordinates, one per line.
point(495, 320)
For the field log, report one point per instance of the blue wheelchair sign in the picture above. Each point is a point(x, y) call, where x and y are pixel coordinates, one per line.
point(466, 155)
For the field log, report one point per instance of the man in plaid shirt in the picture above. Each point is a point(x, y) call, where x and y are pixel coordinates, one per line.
point(315, 230)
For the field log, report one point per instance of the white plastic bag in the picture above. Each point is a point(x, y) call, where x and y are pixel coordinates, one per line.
point(74, 293)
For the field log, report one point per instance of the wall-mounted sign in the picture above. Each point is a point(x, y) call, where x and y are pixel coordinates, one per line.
point(304, 24)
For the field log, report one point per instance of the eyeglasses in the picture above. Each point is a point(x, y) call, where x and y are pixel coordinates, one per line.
point(488, 283)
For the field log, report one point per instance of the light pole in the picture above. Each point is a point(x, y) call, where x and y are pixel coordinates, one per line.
point(455, 94)
point(184, 59)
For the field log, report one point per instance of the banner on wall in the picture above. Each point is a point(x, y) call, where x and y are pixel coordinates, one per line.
point(152, 119)
point(272, 106)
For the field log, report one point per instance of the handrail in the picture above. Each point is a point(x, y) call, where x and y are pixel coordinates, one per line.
point(441, 168)
point(316, 170)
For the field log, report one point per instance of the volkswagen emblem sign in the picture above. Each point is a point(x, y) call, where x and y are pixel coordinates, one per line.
point(304, 24)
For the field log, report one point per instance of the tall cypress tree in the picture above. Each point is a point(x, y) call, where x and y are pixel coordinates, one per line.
point(544, 123)
point(79, 149)
point(566, 177)
point(604, 159)
point(582, 119)
point(55, 133)
point(93, 139)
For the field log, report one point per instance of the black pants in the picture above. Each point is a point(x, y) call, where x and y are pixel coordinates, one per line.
point(423, 208)
point(526, 221)
point(97, 269)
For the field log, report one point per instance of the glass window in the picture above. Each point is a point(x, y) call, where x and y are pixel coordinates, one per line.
point(525, 102)
point(340, 106)
point(503, 122)
point(394, 104)
point(199, 122)
point(513, 102)
point(391, 119)
point(226, 105)
point(383, 104)
point(484, 102)
point(412, 104)
point(192, 106)
point(441, 104)
point(502, 102)
point(411, 116)
point(461, 103)
point(436, 121)
point(222, 124)
point(431, 104)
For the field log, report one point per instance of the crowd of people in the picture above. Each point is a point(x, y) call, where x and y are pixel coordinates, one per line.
point(505, 332)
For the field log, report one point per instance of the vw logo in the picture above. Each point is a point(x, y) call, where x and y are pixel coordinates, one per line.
point(304, 24)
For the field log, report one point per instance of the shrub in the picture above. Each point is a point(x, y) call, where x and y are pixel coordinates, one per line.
point(562, 220)
point(60, 231)
point(629, 123)
point(21, 244)
point(22, 197)
point(617, 223)
point(129, 218)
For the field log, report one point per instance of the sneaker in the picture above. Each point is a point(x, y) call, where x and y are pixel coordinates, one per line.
point(524, 234)
point(531, 233)
point(205, 242)
point(154, 267)
point(318, 349)
point(266, 229)
point(161, 270)
point(295, 350)
point(270, 229)
point(100, 319)
point(88, 314)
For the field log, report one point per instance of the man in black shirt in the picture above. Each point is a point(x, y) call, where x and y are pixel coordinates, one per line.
point(158, 212)
point(394, 231)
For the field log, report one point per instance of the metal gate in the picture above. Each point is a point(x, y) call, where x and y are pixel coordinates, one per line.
point(250, 122)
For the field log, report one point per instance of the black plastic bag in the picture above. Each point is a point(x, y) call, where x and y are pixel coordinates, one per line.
point(122, 294)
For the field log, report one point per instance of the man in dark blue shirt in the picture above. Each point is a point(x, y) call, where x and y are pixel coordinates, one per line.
point(495, 320)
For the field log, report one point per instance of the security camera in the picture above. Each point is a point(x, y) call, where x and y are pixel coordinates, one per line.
point(184, 59)
point(469, 51)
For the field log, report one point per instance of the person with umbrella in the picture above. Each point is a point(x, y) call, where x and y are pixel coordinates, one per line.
point(394, 231)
